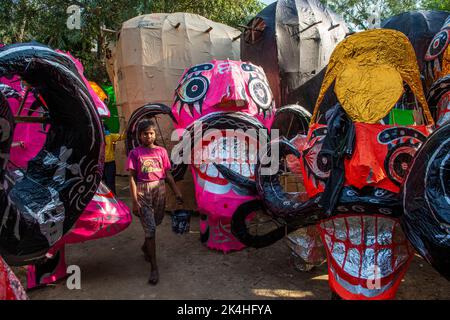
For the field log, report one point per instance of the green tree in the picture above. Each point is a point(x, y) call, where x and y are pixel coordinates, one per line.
point(357, 12)
point(45, 22)
point(436, 4)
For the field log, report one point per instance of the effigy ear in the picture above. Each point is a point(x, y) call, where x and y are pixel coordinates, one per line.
point(40, 205)
point(426, 201)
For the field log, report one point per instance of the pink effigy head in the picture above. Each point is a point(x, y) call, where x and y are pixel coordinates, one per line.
point(222, 89)
point(223, 86)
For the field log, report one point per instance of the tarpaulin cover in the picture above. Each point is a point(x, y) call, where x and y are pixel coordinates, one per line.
point(10, 286)
point(426, 201)
point(363, 53)
point(43, 203)
point(292, 40)
point(420, 27)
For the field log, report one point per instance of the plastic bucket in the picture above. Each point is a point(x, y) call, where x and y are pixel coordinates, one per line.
point(181, 221)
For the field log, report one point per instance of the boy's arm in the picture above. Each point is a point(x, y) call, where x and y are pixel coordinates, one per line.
point(173, 186)
point(133, 191)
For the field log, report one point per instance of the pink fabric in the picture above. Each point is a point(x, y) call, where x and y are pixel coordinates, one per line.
point(149, 163)
point(102, 109)
point(31, 134)
point(10, 286)
point(60, 272)
point(105, 216)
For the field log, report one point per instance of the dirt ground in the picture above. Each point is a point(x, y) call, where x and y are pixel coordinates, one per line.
point(114, 268)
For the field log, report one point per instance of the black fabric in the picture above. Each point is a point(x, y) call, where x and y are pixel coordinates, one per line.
point(337, 145)
point(420, 27)
point(62, 178)
point(109, 175)
point(278, 52)
point(426, 194)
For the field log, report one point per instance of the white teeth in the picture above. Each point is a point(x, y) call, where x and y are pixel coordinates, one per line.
point(368, 264)
point(236, 167)
point(369, 230)
point(340, 229)
point(212, 171)
point(384, 231)
point(384, 262)
point(339, 253)
point(353, 262)
point(354, 232)
point(245, 170)
point(212, 150)
point(252, 169)
point(328, 226)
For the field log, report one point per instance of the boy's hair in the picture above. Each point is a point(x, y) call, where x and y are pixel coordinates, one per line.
point(145, 125)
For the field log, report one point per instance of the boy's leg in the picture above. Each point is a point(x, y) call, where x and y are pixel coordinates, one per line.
point(151, 247)
point(148, 222)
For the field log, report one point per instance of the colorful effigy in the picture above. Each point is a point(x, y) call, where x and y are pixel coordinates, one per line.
point(222, 95)
point(104, 215)
point(353, 162)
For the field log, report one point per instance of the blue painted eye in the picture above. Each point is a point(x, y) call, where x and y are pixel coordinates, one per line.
point(260, 93)
point(438, 45)
point(193, 89)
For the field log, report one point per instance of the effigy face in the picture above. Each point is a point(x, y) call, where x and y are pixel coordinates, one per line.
point(223, 86)
point(368, 253)
point(222, 96)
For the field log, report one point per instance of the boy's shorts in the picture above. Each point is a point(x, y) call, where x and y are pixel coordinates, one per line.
point(152, 200)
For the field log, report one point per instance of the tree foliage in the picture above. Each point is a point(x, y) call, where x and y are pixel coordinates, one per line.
point(45, 21)
point(357, 12)
point(436, 4)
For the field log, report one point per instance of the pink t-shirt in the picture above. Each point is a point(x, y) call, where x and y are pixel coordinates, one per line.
point(149, 163)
